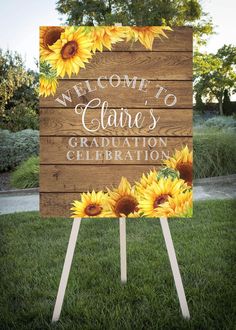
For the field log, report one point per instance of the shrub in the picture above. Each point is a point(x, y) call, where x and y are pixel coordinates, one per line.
point(214, 154)
point(20, 117)
point(16, 147)
point(198, 119)
point(222, 122)
point(27, 174)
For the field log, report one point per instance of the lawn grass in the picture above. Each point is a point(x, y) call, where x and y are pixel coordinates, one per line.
point(33, 251)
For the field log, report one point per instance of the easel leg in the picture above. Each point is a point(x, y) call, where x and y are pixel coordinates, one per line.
point(123, 258)
point(66, 269)
point(175, 267)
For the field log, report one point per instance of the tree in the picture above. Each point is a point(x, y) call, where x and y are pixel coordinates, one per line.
point(138, 12)
point(213, 73)
point(12, 76)
point(228, 108)
point(199, 106)
point(18, 93)
point(27, 93)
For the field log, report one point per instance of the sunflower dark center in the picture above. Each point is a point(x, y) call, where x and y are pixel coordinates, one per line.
point(141, 28)
point(69, 49)
point(186, 172)
point(93, 209)
point(126, 205)
point(160, 200)
point(51, 36)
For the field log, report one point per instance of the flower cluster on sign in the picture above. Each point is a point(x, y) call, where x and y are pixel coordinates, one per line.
point(64, 50)
point(167, 192)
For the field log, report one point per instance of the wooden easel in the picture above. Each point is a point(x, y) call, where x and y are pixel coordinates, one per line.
point(123, 264)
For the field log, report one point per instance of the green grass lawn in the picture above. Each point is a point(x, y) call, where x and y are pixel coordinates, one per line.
point(33, 250)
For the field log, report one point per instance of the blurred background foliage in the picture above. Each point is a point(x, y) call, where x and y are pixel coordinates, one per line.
point(138, 12)
point(16, 147)
point(18, 93)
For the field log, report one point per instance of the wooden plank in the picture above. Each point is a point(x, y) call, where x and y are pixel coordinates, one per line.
point(148, 65)
point(57, 204)
point(67, 122)
point(63, 150)
point(180, 39)
point(78, 178)
point(156, 94)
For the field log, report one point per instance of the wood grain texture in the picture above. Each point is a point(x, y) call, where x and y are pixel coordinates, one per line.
point(66, 122)
point(53, 150)
point(79, 178)
point(168, 65)
point(126, 97)
point(180, 39)
point(57, 204)
point(148, 65)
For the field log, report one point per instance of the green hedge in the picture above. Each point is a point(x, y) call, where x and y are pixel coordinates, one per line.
point(17, 147)
point(214, 154)
point(27, 174)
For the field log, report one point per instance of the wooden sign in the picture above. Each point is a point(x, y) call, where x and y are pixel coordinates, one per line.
point(115, 102)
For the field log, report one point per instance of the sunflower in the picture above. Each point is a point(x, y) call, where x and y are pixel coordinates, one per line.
point(182, 161)
point(159, 194)
point(71, 51)
point(105, 36)
point(181, 205)
point(146, 34)
point(47, 80)
point(92, 205)
point(146, 180)
point(48, 36)
point(123, 201)
point(47, 86)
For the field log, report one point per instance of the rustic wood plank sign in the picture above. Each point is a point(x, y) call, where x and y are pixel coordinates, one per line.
point(116, 130)
point(122, 111)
